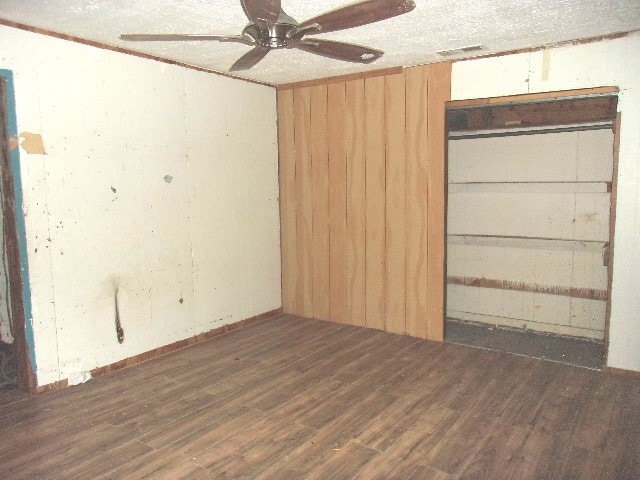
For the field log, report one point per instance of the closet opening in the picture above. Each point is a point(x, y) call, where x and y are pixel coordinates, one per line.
point(530, 213)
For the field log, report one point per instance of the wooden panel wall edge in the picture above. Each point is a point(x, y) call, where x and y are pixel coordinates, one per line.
point(158, 352)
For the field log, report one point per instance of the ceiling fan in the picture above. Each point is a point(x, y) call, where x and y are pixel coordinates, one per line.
point(270, 27)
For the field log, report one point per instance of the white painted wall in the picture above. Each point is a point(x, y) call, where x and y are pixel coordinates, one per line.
point(159, 179)
point(610, 62)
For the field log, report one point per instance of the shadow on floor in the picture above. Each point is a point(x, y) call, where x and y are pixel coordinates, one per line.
point(570, 350)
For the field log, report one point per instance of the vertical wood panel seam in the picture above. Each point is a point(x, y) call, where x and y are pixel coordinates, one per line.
point(328, 191)
point(346, 200)
point(430, 93)
point(406, 191)
point(311, 197)
point(295, 195)
point(295, 187)
point(384, 210)
point(364, 147)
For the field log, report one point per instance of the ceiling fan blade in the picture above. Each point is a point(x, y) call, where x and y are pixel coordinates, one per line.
point(347, 52)
point(249, 59)
point(357, 14)
point(257, 10)
point(162, 37)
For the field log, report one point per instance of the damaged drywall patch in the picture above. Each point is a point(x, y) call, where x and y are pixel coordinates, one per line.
point(168, 178)
point(32, 143)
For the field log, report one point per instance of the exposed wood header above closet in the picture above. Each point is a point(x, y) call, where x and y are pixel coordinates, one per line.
point(533, 114)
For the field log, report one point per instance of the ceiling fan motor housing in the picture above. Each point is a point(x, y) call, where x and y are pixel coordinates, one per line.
point(276, 35)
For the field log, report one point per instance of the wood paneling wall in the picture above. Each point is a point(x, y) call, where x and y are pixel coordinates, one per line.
point(362, 198)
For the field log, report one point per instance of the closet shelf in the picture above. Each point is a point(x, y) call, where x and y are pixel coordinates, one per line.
point(529, 187)
point(537, 243)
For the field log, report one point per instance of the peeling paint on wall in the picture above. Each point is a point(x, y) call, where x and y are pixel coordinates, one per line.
point(32, 143)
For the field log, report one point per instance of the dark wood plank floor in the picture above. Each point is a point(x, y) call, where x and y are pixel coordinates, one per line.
point(291, 398)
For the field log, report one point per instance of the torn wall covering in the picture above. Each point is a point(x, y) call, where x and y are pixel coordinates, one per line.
point(186, 255)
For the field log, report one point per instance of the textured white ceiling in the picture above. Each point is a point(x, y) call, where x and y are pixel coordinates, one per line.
point(410, 39)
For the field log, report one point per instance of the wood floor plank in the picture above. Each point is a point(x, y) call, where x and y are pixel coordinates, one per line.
point(345, 464)
point(298, 398)
point(394, 465)
point(426, 473)
point(251, 458)
point(164, 463)
point(308, 456)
